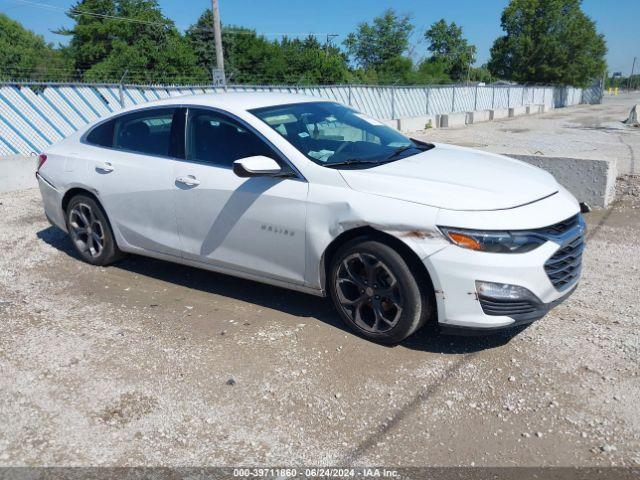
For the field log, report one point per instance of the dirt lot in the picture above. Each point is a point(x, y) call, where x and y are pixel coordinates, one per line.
point(583, 131)
point(148, 363)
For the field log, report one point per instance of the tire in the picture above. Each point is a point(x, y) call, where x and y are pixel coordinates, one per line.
point(90, 231)
point(386, 311)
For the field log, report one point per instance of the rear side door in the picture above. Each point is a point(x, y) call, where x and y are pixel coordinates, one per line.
point(133, 176)
point(253, 225)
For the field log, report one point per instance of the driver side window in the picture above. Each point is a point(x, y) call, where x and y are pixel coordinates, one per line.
point(216, 139)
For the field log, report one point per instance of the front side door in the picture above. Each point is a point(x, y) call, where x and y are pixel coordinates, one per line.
point(133, 176)
point(254, 225)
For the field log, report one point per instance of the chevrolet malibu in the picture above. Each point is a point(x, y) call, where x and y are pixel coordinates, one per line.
point(311, 195)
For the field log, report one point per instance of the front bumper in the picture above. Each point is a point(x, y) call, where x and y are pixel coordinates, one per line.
point(541, 309)
point(454, 272)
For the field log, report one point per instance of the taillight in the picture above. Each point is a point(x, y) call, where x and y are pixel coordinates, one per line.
point(41, 159)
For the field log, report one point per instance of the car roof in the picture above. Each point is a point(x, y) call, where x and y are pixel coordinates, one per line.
point(235, 100)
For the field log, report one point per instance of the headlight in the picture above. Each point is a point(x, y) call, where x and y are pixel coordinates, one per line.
point(493, 241)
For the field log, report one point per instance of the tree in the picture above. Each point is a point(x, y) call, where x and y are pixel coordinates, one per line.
point(251, 58)
point(449, 48)
point(91, 36)
point(307, 61)
point(432, 71)
point(548, 41)
point(379, 47)
point(146, 45)
point(25, 55)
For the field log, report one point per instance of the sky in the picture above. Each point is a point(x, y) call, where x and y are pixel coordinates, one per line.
point(618, 20)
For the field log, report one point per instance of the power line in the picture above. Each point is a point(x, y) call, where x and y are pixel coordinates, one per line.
point(46, 6)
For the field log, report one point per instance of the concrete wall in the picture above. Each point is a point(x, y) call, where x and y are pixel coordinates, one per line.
point(414, 124)
point(535, 109)
point(517, 111)
point(17, 172)
point(497, 114)
point(449, 120)
point(393, 123)
point(590, 181)
point(478, 116)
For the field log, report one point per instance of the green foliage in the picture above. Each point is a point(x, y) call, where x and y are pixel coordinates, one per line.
point(25, 55)
point(240, 45)
point(432, 71)
point(147, 47)
point(91, 37)
point(623, 82)
point(449, 48)
point(481, 74)
point(378, 48)
point(548, 41)
point(307, 61)
point(250, 58)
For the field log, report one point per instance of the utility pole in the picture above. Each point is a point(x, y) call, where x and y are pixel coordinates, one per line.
point(330, 36)
point(217, 36)
point(633, 69)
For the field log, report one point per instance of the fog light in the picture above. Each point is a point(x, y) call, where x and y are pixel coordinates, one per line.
point(503, 291)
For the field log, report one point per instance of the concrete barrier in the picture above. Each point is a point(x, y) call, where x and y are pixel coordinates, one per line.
point(517, 111)
point(393, 123)
point(17, 172)
point(478, 116)
point(415, 124)
point(590, 181)
point(448, 120)
point(634, 116)
point(535, 109)
point(497, 114)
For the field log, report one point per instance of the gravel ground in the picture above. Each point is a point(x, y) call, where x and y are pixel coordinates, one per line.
point(148, 363)
point(583, 131)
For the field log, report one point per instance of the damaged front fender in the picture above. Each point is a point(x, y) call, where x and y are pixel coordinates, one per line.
point(411, 223)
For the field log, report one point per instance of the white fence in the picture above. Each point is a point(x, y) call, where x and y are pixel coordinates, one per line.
point(34, 116)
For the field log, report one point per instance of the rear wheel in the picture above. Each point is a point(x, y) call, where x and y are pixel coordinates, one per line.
point(377, 293)
point(90, 231)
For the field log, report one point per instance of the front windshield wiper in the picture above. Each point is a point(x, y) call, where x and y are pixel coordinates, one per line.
point(400, 150)
point(352, 161)
point(417, 144)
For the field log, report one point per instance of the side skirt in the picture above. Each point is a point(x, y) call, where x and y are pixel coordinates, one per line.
point(227, 271)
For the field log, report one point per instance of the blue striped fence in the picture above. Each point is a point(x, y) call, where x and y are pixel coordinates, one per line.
point(34, 116)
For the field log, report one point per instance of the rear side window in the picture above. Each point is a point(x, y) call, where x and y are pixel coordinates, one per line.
point(148, 131)
point(102, 135)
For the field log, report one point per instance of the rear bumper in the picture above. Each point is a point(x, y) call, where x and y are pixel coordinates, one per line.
point(52, 201)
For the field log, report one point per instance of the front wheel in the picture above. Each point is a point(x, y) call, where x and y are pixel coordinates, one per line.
point(377, 293)
point(90, 231)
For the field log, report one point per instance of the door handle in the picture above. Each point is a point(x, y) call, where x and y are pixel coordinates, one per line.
point(189, 180)
point(104, 167)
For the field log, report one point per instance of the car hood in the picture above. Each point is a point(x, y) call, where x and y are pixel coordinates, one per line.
point(455, 178)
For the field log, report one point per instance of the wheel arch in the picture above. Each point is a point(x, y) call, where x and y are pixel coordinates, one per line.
point(72, 192)
point(370, 233)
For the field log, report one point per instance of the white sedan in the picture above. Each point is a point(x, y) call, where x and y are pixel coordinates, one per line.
point(311, 195)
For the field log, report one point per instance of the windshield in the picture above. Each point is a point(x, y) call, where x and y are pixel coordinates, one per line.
point(331, 134)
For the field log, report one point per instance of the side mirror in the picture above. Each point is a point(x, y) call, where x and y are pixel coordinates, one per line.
point(258, 166)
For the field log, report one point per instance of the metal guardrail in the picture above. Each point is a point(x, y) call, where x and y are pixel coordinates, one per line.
point(35, 115)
